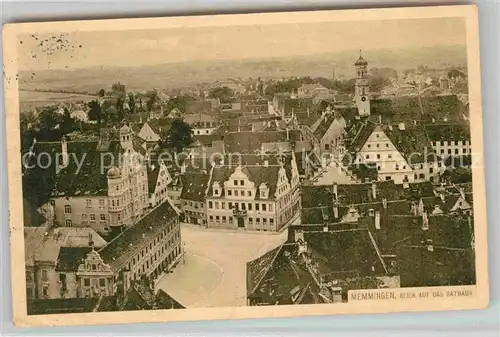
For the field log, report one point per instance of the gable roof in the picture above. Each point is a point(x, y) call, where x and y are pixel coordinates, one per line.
point(71, 257)
point(194, 186)
point(73, 180)
point(257, 174)
point(42, 244)
point(448, 132)
point(132, 240)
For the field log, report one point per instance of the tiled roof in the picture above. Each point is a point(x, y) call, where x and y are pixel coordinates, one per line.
point(194, 186)
point(304, 118)
point(427, 266)
point(344, 254)
point(70, 258)
point(280, 277)
point(72, 180)
point(412, 143)
point(160, 126)
point(251, 142)
point(448, 132)
point(130, 242)
point(409, 108)
point(42, 244)
point(196, 107)
point(153, 172)
point(257, 174)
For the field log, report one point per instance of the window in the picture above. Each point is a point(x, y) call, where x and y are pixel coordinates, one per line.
point(229, 192)
point(223, 219)
point(378, 145)
point(102, 282)
point(44, 275)
point(386, 144)
point(256, 207)
point(69, 223)
point(456, 151)
point(211, 218)
point(264, 221)
point(216, 205)
point(223, 205)
point(230, 219)
point(270, 207)
point(67, 209)
point(89, 202)
point(249, 193)
point(86, 282)
point(230, 205)
point(210, 205)
point(235, 182)
point(103, 217)
point(119, 217)
point(101, 202)
point(421, 176)
point(45, 291)
point(92, 217)
point(52, 202)
point(378, 156)
point(242, 182)
point(367, 156)
point(389, 156)
point(257, 220)
point(217, 218)
point(250, 221)
point(236, 193)
point(388, 178)
point(369, 146)
point(249, 206)
point(84, 217)
point(271, 222)
point(442, 143)
point(264, 207)
point(431, 170)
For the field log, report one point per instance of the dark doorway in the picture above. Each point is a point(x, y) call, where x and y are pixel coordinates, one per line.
point(241, 223)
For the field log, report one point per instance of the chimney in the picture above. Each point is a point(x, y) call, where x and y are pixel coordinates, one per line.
point(335, 192)
point(91, 241)
point(308, 112)
point(287, 134)
point(380, 119)
point(384, 203)
point(374, 190)
point(266, 163)
point(425, 221)
point(335, 212)
point(377, 220)
point(64, 152)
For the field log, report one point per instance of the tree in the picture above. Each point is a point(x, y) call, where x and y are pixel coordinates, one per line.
point(95, 111)
point(152, 100)
point(224, 94)
point(179, 102)
point(118, 88)
point(101, 93)
point(67, 124)
point(179, 135)
point(131, 103)
point(48, 118)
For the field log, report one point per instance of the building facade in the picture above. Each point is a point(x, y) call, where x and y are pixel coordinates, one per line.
point(261, 198)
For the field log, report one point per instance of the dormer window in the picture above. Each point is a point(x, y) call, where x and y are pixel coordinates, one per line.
point(217, 190)
point(263, 191)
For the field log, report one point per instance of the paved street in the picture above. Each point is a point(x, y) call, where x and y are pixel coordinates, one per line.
point(214, 274)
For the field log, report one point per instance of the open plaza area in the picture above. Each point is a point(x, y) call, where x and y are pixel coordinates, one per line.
point(214, 272)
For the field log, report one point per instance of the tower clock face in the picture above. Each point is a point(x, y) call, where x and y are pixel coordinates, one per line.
point(363, 98)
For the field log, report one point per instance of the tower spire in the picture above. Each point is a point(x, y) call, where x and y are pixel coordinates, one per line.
point(360, 53)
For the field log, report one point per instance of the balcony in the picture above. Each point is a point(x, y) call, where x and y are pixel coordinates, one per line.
point(239, 212)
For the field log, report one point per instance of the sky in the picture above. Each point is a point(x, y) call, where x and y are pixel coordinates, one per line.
point(132, 48)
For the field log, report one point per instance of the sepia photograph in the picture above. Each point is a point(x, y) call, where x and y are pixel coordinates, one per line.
point(197, 167)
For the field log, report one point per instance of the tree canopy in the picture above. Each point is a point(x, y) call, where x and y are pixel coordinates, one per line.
point(224, 94)
point(179, 102)
point(179, 135)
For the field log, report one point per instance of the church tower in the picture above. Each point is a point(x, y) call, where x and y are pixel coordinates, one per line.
point(362, 89)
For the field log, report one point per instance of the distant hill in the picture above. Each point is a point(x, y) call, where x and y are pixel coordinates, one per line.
point(164, 76)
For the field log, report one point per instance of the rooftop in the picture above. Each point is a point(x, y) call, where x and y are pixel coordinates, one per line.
point(132, 240)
